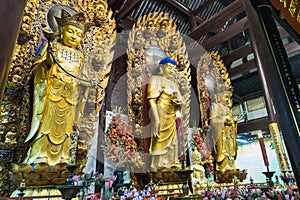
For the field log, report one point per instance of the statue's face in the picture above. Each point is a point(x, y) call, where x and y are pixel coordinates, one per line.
point(72, 36)
point(226, 99)
point(168, 70)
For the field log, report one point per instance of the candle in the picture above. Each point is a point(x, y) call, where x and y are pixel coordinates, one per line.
point(263, 149)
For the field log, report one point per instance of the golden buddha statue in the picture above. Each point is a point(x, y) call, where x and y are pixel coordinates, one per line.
point(58, 75)
point(198, 178)
point(165, 100)
point(224, 132)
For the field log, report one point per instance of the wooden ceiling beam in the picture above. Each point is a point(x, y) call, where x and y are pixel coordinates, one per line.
point(127, 23)
point(253, 125)
point(247, 66)
point(193, 22)
point(253, 95)
point(127, 8)
point(237, 98)
point(237, 54)
point(115, 5)
point(226, 34)
point(185, 10)
point(242, 69)
point(203, 6)
point(218, 20)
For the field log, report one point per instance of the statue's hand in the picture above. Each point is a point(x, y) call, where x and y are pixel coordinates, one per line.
point(178, 115)
point(156, 129)
point(174, 99)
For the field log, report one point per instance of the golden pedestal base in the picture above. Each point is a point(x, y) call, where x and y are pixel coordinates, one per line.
point(41, 174)
point(166, 175)
point(41, 192)
point(228, 175)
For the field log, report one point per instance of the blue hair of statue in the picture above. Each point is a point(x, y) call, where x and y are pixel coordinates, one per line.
point(167, 60)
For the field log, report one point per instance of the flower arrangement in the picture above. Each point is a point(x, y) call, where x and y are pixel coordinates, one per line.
point(287, 178)
point(276, 193)
point(93, 178)
point(198, 142)
point(121, 145)
point(286, 192)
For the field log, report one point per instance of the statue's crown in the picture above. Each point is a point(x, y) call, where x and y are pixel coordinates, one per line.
point(77, 20)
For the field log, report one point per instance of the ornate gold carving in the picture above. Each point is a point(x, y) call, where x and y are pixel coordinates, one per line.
point(153, 37)
point(15, 104)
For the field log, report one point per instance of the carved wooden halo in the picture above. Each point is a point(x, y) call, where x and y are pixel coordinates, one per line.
point(152, 34)
point(212, 81)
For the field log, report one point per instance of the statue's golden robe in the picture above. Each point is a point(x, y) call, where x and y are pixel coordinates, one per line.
point(164, 150)
point(56, 97)
point(224, 136)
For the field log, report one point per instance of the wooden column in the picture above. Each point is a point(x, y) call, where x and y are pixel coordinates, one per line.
point(276, 76)
point(11, 12)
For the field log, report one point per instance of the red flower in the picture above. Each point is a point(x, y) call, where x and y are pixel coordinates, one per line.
point(121, 144)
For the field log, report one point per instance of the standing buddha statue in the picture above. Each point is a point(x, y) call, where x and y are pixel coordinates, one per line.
point(165, 100)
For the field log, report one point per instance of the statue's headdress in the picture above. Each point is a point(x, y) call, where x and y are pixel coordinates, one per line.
point(77, 20)
point(167, 60)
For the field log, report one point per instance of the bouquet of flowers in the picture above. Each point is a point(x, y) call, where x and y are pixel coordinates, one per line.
point(121, 145)
point(278, 193)
point(198, 142)
point(286, 192)
point(93, 178)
